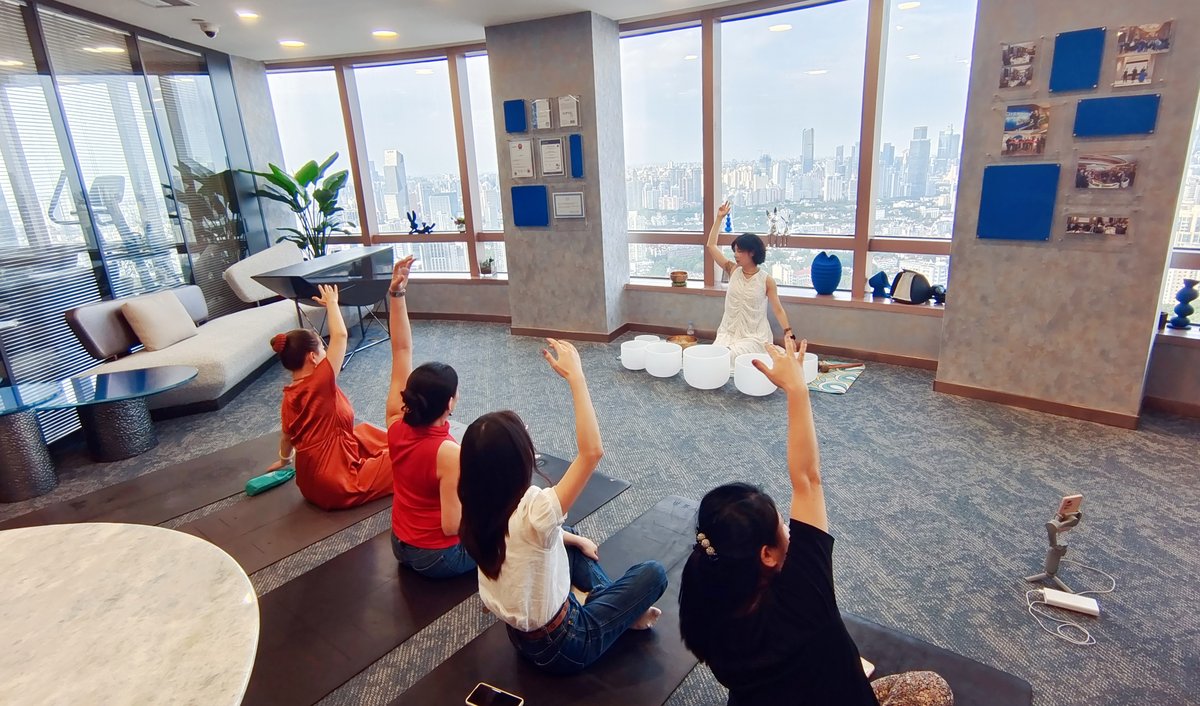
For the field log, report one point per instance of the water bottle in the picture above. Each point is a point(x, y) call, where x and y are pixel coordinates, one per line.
point(691, 330)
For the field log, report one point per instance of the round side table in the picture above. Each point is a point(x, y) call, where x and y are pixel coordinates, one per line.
point(26, 470)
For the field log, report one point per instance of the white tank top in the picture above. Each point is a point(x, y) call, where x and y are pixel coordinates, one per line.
point(745, 308)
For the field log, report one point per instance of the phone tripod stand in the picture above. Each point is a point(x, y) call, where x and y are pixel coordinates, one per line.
point(1056, 551)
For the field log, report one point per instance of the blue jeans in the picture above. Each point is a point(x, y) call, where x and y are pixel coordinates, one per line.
point(590, 629)
point(434, 563)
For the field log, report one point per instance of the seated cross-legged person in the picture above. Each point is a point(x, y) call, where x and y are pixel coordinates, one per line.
point(338, 464)
point(757, 602)
point(527, 562)
point(425, 506)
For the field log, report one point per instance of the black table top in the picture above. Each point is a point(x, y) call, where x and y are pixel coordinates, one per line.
point(118, 386)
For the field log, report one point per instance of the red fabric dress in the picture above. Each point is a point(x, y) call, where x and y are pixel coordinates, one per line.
point(338, 464)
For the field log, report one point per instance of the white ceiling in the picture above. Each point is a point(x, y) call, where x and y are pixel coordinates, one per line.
point(342, 27)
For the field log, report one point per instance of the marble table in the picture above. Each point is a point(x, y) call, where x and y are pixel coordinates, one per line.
point(123, 614)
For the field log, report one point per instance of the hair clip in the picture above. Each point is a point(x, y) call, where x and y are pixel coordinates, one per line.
point(706, 545)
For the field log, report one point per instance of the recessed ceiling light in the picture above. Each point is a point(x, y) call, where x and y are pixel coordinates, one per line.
point(291, 43)
point(104, 50)
point(908, 5)
point(247, 14)
point(11, 62)
point(913, 57)
point(690, 57)
point(899, 28)
point(385, 34)
point(424, 72)
point(779, 28)
point(817, 72)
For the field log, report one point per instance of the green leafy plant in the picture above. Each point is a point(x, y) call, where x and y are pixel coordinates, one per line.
point(485, 266)
point(313, 197)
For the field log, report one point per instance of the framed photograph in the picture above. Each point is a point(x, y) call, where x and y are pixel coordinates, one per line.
point(550, 151)
point(1134, 70)
point(520, 157)
point(1145, 39)
point(1105, 171)
point(1097, 225)
point(568, 204)
point(1016, 62)
point(1025, 128)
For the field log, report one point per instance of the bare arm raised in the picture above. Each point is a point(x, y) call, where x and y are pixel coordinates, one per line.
point(565, 361)
point(804, 458)
point(401, 332)
point(327, 296)
point(711, 244)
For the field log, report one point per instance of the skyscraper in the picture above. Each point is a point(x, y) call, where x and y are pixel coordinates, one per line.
point(806, 140)
point(918, 162)
point(395, 186)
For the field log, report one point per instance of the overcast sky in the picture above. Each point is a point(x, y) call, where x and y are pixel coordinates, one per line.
point(768, 93)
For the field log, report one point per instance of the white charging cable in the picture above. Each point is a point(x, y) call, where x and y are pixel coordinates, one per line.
point(1063, 627)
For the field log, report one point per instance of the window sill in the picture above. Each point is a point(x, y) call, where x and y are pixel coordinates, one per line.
point(792, 295)
point(459, 278)
point(1179, 337)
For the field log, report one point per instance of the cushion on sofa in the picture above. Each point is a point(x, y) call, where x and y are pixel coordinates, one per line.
point(105, 333)
point(159, 320)
point(239, 275)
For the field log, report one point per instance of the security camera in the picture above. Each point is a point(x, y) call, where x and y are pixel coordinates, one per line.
point(210, 29)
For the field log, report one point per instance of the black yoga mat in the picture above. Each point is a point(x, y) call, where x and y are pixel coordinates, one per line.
point(322, 628)
point(643, 667)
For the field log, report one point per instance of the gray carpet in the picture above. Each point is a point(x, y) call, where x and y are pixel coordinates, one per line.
point(937, 504)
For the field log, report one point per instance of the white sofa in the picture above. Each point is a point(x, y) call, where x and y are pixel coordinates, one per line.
point(229, 352)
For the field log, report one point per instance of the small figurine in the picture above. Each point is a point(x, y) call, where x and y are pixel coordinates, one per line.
point(772, 227)
point(414, 229)
point(879, 284)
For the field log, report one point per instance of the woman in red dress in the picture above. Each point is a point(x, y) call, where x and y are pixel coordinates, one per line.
point(338, 465)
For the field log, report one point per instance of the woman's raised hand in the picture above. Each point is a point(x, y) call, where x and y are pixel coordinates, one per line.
point(565, 359)
point(327, 295)
point(786, 370)
point(400, 274)
point(723, 210)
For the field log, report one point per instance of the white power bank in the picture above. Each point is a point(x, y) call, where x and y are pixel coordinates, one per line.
point(1070, 601)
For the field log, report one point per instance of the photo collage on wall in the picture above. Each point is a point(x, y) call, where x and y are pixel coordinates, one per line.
point(1100, 176)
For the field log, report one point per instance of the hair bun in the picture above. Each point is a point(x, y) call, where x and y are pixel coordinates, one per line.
point(279, 342)
point(414, 402)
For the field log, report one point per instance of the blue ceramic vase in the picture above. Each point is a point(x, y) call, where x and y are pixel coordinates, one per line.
point(1184, 309)
point(826, 272)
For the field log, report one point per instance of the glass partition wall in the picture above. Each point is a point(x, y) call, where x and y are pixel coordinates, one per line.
point(114, 181)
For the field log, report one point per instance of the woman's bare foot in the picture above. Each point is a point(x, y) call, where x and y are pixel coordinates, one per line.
point(648, 619)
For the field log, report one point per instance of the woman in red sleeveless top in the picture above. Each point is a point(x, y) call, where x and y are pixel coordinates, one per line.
point(338, 465)
point(424, 457)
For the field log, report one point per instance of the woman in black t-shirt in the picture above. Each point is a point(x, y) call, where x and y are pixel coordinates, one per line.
point(757, 602)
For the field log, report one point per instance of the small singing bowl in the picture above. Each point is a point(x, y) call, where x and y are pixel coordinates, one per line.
point(679, 278)
point(683, 340)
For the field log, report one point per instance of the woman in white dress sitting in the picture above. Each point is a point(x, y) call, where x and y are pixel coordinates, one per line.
point(744, 327)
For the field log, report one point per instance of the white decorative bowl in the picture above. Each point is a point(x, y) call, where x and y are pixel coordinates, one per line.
point(633, 355)
point(706, 367)
point(647, 337)
point(746, 377)
point(810, 367)
point(663, 359)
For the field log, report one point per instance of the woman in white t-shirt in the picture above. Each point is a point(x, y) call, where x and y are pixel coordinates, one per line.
point(527, 563)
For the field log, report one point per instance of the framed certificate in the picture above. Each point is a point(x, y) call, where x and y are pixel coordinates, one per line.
point(552, 156)
point(520, 156)
point(568, 204)
point(568, 111)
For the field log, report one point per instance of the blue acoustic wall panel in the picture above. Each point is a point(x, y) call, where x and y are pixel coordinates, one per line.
point(1017, 201)
point(1121, 115)
point(1077, 57)
point(530, 206)
point(575, 141)
point(515, 116)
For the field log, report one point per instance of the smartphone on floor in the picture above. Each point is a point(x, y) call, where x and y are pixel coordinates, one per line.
point(487, 695)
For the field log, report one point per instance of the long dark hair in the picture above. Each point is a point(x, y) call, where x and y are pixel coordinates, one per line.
point(737, 520)
point(294, 346)
point(427, 394)
point(495, 470)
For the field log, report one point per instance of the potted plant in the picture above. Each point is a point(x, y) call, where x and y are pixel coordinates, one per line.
point(461, 222)
point(313, 197)
point(485, 266)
